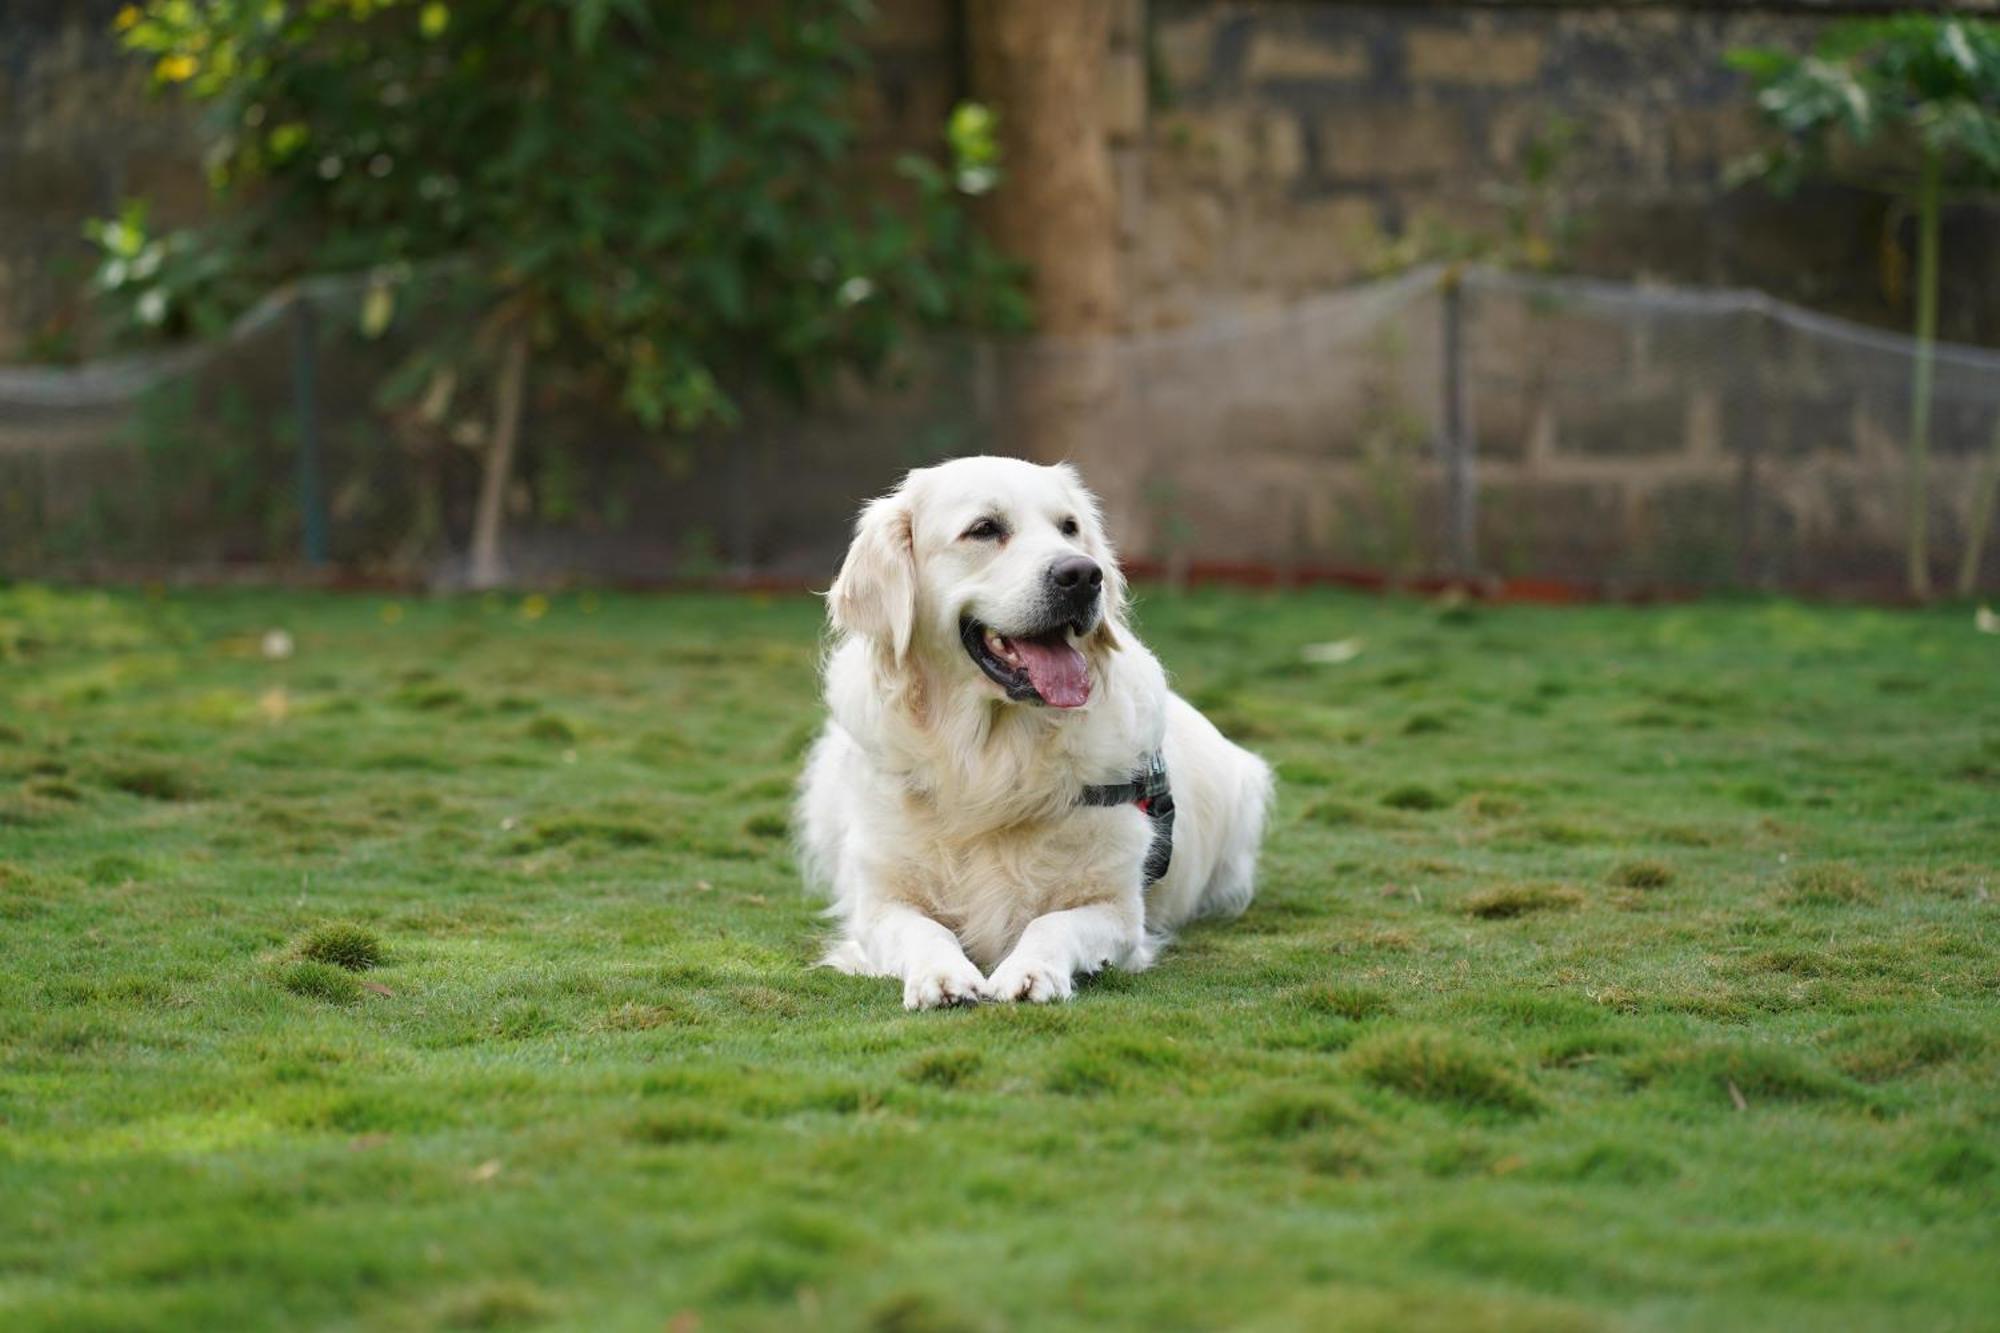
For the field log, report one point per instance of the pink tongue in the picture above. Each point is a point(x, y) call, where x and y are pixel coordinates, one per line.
point(1057, 669)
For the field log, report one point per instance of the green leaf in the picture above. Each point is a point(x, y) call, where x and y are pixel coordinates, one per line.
point(586, 22)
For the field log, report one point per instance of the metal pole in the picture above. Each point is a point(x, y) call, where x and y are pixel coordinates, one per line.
point(1750, 382)
point(1461, 485)
point(305, 366)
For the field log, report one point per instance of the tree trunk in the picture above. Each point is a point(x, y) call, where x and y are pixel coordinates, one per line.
point(488, 569)
point(1920, 383)
point(1041, 63)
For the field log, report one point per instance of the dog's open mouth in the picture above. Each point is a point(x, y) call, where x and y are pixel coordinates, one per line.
point(1043, 668)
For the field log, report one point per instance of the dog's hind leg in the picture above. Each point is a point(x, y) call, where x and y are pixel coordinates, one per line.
point(1234, 880)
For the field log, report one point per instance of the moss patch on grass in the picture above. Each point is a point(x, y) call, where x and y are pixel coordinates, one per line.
point(321, 981)
point(945, 1068)
point(1503, 902)
point(1414, 796)
point(1437, 1067)
point(1642, 874)
point(1828, 884)
point(154, 781)
point(1290, 1114)
point(1754, 1072)
point(1343, 1001)
point(344, 944)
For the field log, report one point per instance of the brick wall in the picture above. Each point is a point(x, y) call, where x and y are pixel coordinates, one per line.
point(1296, 145)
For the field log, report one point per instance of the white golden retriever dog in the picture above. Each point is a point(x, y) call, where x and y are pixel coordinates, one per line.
point(1006, 792)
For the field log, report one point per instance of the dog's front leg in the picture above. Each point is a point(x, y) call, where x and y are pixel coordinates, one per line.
point(1055, 947)
point(898, 941)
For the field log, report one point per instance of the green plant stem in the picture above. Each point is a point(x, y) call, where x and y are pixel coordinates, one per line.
point(1928, 209)
point(1981, 518)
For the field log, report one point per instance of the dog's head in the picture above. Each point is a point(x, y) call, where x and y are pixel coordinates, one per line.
point(989, 566)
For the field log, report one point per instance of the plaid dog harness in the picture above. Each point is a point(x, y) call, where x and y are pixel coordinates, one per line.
point(1149, 791)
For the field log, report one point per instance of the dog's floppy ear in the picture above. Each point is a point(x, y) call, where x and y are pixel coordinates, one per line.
point(876, 592)
point(1115, 599)
point(1108, 628)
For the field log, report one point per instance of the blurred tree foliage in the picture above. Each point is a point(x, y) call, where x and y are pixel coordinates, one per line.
point(1910, 105)
point(658, 198)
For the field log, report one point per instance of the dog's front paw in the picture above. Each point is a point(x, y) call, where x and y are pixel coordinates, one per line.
point(936, 985)
point(1028, 979)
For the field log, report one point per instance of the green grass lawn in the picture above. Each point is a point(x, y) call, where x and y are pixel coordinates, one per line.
point(1610, 969)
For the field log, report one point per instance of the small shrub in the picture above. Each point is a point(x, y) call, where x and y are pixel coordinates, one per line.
point(322, 981)
point(1505, 901)
point(343, 944)
point(1432, 1066)
point(1642, 874)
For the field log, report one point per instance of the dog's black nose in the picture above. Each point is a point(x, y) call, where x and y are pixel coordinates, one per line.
point(1077, 575)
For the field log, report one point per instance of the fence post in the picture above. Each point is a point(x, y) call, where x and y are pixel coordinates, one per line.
point(305, 389)
point(1749, 480)
point(1455, 443)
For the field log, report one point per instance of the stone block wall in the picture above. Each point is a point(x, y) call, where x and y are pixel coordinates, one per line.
point(1295, 145)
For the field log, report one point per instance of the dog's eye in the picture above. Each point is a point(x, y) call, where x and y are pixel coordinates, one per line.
point(985, 530)
point(1068, 527)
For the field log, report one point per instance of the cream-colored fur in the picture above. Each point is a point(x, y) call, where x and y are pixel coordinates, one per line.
point(942, 817)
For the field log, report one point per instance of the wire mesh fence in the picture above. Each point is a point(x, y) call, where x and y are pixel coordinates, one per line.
point(1465, 423)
